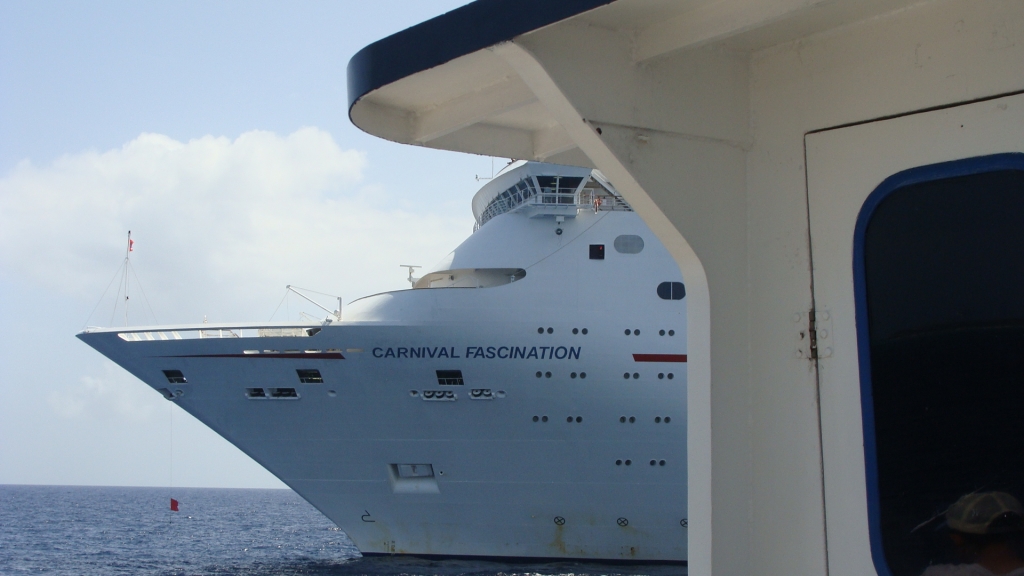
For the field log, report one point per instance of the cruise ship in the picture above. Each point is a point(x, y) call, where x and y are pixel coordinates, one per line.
point(524, 398)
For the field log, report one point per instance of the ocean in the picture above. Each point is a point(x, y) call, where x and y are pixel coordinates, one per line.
point(87, 530)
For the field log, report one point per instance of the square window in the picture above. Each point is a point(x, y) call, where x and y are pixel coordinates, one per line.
point(597, 251)
point(310, 376)
point(450, 378)
point(175, 377)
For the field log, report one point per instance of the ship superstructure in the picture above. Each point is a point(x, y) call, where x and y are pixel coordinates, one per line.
point(525, 398)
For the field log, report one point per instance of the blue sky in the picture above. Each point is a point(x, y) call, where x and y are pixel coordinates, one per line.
point(217, 132)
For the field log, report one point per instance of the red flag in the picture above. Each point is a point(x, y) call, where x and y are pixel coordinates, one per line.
point(130, 244)
point(174, 505)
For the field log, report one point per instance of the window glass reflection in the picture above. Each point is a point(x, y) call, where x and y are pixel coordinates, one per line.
point(944, 280)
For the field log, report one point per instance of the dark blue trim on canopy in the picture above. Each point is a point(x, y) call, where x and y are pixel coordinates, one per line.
point(941, 171)
point(462, 31)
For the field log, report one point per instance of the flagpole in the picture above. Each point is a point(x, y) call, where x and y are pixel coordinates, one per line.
point(127, 255)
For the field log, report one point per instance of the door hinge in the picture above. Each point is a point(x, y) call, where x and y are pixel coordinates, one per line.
point(812, 334)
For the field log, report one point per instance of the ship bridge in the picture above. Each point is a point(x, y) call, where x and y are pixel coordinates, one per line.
point(545, 190)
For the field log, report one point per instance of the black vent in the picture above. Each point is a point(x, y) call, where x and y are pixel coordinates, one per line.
point(597, 251)
point(310, 376)
point(450, 378)
point(175, 377)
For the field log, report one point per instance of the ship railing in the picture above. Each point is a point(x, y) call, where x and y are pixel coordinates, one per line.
point(608, 202)
point(192, 333)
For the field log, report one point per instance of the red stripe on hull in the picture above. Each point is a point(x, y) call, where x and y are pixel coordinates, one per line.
point(659, 357)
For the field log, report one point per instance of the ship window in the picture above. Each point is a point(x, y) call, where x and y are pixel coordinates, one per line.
point(671, 291)
point(450, 378)
point(283, 393)
point(941, 327)
point(628, 244)
point(175, 377)
point(597, 251)
point(255, 393)
point(414, 470)
point(310, 376)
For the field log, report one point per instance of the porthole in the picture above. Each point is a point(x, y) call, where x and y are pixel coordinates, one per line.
point(550, 330)
point(654, 462)
point(579, 419)
point(670, 376)
point(661, 375)
point(618, 462)
point(543, 418)
point(628, 331)
point(667, 419)
point(575, 330)
point(671, 291)
point(547, 374)
point(536, 418)
point(583, 374)
point(671, 332)
point(629, 462)
point(632, 419)
point(568, 419)
point(636, 332)
point(584, 331)
point(626, 375)
point(622, 419)
point(628, 244)
point(539, 374)
point(657, 419)
point(661, 463)
point(573, 375)
point(661, 332)
point(636, 375)
point(540, 330)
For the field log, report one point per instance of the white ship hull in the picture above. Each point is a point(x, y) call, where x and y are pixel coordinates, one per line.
point(585, 461)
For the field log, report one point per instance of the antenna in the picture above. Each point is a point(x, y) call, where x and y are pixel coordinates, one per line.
point(412, 281)
point(127, 256)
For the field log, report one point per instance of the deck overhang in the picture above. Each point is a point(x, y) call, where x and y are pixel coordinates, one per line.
point(449, 83)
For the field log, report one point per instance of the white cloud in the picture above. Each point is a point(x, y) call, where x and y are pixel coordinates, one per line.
point(220, 225)
point(114, 393)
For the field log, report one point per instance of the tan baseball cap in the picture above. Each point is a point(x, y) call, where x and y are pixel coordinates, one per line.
point(986, 513)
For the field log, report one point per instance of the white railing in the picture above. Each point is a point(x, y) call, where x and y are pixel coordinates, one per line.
point(218, 332)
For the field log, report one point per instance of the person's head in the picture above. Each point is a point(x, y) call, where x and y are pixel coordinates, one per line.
point(980, 520)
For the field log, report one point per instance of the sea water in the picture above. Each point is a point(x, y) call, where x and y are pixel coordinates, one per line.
point(85, 530)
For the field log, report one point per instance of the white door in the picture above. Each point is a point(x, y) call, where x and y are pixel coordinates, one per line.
point(870, 532)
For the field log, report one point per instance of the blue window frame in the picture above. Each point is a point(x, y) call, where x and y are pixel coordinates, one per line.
point(938, 270)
